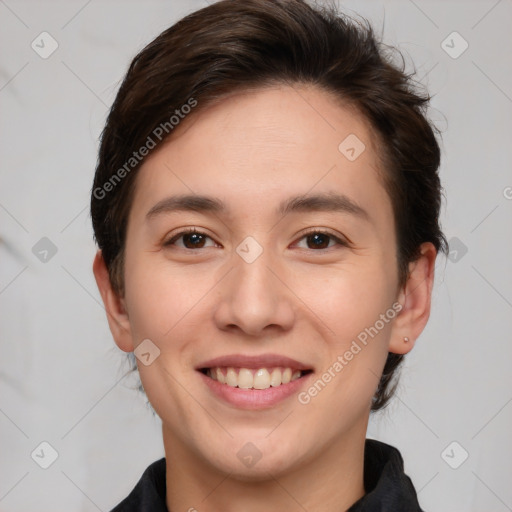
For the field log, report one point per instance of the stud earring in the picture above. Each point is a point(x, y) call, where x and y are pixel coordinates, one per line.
point(406, 339)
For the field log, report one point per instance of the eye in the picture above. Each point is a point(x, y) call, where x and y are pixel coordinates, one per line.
point(320, 239)
point(192, 239)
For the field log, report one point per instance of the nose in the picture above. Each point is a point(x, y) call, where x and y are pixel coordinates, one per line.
point(254, 298)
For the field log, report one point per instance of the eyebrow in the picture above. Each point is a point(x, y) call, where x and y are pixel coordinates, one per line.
point(306, 203)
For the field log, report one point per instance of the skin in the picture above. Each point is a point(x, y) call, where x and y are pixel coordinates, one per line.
point(252, 150)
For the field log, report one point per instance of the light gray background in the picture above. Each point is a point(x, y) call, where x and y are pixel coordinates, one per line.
point(61, 373)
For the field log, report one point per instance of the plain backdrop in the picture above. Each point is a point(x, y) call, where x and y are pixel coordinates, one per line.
point(61, 375)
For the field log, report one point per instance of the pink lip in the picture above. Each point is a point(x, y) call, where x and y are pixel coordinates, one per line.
point(254, 398)
point(254, 362)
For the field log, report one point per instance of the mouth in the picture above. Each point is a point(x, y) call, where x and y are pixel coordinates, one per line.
point(254, 382)
point(250, 378)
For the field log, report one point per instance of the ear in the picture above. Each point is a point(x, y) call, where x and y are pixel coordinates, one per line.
point(115, 306)
point(415, 298)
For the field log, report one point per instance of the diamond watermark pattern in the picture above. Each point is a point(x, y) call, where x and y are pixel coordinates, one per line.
point(146, 352)
point(44, 45)
point(249, 455)
point(454, 45)
point(249, 249)
point(44, 250)
point(454, 455)
point(44, 455)
point(351, 147)
point(457, 248)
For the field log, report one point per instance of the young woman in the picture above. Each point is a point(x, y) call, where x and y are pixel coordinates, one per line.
point(266, 207)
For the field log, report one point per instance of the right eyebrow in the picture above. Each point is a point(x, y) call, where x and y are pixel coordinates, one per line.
point(191, 202)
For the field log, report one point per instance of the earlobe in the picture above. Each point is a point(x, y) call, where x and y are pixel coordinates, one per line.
point(415, 297)
point(401, 345)
point(115, 307)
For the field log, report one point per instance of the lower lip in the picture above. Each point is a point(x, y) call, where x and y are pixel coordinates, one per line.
point(254, 398)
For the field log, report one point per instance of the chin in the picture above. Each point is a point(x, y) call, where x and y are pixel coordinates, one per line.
point(253, 461)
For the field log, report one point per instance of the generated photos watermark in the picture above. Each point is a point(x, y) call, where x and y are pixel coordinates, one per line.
point(157, 135)
point(355, 348)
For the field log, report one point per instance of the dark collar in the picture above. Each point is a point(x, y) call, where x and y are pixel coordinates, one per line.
point(387, 486)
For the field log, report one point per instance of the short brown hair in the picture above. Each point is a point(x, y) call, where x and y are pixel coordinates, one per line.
point(233, 45)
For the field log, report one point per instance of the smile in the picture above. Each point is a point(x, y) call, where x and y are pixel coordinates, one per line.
point(247, 378)
point(254, 381)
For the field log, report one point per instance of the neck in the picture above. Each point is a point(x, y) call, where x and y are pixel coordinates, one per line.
point(332, 482)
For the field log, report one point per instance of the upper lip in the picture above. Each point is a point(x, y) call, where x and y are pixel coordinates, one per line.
point(254, 362)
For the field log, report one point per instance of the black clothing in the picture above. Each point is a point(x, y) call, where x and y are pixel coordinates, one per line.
point(388, 488)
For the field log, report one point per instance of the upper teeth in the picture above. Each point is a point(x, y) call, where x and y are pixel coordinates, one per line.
point(246, 378)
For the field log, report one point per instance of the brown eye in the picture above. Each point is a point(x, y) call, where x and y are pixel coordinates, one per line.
point(321, 240)
point(192, 239)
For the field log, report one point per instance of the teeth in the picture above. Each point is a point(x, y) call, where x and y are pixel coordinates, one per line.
point(261, 379)
point(275, 378)
point(220, 376)
point(296, 375)
point(245, 378)
point(232, 378)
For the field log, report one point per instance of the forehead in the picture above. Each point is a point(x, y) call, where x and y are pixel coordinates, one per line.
point(256, 147)
point(292, 119)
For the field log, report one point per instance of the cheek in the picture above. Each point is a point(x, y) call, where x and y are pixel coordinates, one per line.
point(357, 319)
point(169, 303)
point(356, 313)
point(157, 297)
point(347, 298)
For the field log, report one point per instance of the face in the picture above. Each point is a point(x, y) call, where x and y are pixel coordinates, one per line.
point(288, 273)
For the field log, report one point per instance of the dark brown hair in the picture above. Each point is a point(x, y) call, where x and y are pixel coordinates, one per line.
point(233, 45)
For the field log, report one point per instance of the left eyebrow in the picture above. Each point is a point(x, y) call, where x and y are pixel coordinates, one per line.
point(322, 203)
point(319, 202)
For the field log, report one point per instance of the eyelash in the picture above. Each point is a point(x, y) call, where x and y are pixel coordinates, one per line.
point(188, 231)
